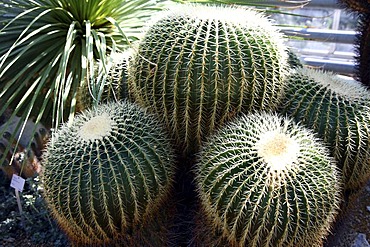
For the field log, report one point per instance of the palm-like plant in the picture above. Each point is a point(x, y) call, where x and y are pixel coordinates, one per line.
point(48, 48)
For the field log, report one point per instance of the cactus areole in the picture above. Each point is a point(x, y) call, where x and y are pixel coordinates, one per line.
point(266, 181)
point(200, 65)
point(107, 173)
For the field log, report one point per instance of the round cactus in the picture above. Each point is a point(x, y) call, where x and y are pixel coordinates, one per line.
point(200, 65)
point(107, 173)
point(339, 111)
point(115, 86)
point(266, 181)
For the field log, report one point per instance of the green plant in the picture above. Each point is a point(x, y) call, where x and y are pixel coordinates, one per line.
point(198, 66)
point(49, 48)
point(107, 87)
point(339, 111)
point(107, 173)
point(293, 60)
point(264, 180)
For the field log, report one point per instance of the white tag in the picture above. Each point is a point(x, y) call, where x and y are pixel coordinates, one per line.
point(17, 183)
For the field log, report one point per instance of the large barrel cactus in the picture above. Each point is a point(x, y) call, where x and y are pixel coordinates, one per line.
point(339, 111)
point(266, 181)
point(198, 66)
point(107, 173)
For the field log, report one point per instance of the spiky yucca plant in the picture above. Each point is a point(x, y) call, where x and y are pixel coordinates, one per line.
point(339, 111)
point(49, 47)
point(198, 66)
point(106, 174)
point(266, 181)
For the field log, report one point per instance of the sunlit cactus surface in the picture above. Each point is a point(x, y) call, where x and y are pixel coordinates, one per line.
point(107, 173)
point(265, 181)
point(198, 66)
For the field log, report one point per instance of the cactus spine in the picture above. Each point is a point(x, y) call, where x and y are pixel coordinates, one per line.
point(265, 181)
point(107, 173)
point(199, 66)
point(339, 111)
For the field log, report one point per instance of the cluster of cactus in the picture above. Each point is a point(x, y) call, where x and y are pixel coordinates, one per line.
point(198, 66)
point(339, 111)
point(266, 181)
point(107, 173)
point(209, 78)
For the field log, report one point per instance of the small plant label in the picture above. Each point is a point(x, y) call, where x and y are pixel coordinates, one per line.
point(17, 183)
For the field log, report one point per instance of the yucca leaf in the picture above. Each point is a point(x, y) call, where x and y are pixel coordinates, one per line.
point(48, 48)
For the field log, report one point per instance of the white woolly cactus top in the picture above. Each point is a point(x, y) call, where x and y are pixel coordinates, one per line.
point(96, 127)
point(278, 150)
point(89, 126)
point(280, 144)
point(349, 91)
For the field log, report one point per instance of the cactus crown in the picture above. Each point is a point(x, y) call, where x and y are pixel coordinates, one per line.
point(266, 181)
point(96, 128)
point(279, 151)
point(198, 66)
point(241, 16)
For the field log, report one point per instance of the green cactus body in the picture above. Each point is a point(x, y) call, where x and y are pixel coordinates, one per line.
point(115, 86)
point(339, 111)
point(266, 181)
point(293, 60)
point(199, 66)
point(107, 172)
